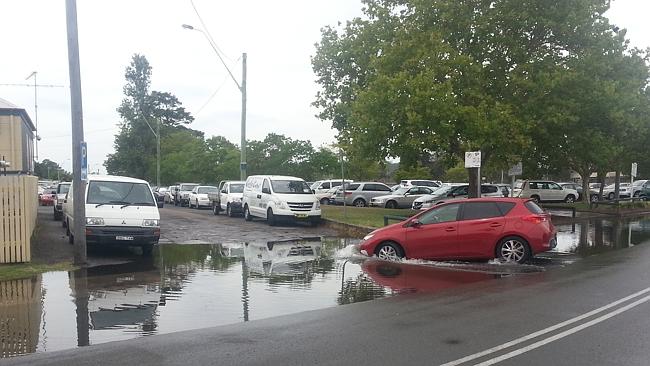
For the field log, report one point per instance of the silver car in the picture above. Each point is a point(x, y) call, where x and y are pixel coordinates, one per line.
point(359, 194)
point(449, 193)
point(401, 198)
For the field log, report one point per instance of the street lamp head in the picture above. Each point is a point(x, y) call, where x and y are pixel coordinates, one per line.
point(187, 26)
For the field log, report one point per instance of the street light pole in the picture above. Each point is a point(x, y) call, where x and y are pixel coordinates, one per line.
point(242, 89)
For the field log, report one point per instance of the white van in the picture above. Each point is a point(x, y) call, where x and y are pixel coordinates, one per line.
point(279, 197)
point(322, 186)
point(119, 211)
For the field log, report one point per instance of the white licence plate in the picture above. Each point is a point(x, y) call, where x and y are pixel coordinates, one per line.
point(123, 238)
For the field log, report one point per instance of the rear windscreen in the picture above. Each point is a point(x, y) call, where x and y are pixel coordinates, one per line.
point(533, 207)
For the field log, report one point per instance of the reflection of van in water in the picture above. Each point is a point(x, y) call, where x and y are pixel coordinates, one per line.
point(273, 198)
point(281, 258)
point(119, 211)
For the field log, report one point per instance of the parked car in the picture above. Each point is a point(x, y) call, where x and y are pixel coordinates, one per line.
point(547, 191)
point(119, 211)
point(182, 194)
point(48, 197)
point(277, 198)
point(505, 189)
point(420, 183)
point(61, 192)
point(640, 185)
point(401, 198)
point(326, 197)
point(624, 191)
point(322, 186)
point(510, 229)
point(228, 198)
point(199, 196)
point(593, 193)
point(169, 194)
point(450, 193)
point(359, 194)
point(645, 192)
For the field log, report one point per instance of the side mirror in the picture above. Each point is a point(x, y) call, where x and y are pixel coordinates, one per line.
point(224, 191)
point(266, 190)
point(414, 223)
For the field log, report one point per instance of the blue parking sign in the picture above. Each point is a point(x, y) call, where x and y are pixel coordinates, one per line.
point(84, 161)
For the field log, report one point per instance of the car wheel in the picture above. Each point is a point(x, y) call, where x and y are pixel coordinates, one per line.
point(247, 214)
point(147, 250)
point(196, 206)
point(324, 201)
point(71, 239)
point(636, 194)
point(229, 210)
point(215, 208)
point(594, 198)
point(359, 202)
point(391, 204)
point(535, 198)
point(513, 249)
point(610, 196)
point(270, 218)
point(389, 251)
point(570, 199)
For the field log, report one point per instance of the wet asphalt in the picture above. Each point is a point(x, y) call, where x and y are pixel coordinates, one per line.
point(421, 329)
point(182, 225)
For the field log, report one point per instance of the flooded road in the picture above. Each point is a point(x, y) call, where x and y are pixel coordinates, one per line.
point(186, 287)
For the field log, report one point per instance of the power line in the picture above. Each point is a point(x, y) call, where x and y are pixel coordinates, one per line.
point(205, 28)
point(223, 82)
point(38, 85)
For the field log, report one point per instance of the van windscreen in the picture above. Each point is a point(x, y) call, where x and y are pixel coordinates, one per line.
point(135, 194)
point(290, 187)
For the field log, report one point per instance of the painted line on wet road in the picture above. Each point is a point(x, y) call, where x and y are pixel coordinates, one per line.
point(554, 328)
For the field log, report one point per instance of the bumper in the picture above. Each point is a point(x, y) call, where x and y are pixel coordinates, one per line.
point(236, 207)
point(205, 203)
point(126, 236)
point(299, 218)
point(58, 208)
point(377, 204)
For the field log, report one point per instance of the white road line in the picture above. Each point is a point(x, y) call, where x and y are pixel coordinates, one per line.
point(544, 331)
point(564, 334)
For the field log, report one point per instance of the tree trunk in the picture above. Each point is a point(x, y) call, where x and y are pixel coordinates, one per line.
point(617, 184)
point(584, 174)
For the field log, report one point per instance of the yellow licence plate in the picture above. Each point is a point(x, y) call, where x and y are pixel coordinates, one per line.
point(301, 216)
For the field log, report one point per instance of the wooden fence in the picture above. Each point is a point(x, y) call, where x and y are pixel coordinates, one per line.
point(18, 209)
point(20, 316)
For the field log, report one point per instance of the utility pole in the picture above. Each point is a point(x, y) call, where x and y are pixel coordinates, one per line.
point(158, 155)
point(35, 112)
point(79, 186)
point(242, 173)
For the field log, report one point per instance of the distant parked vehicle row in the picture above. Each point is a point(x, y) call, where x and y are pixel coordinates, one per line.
point(451, 193)
point(401, 198)
point(228, 198)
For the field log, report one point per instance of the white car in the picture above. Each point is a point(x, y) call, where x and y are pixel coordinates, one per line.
point(230, 198)
point(182, 193)
point(324, 197)
point(420, 183)
point(119, 211)
point(169, 194)
point(624, 191)
point(198, 197)
point(322, 186)
point(639, 186)
point(274, 197)
point(61, 192)
point(547, 191)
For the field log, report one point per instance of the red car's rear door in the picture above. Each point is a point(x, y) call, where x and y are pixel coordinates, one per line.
point(437, 234)
point(479, 229)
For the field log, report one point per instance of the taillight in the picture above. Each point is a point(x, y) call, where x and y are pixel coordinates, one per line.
point(348, 193)
point(535, 219)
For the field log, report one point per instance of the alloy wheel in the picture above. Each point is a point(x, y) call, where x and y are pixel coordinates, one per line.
point(387, 252)
point(513, 251)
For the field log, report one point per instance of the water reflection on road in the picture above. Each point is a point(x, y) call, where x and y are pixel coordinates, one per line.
point(185, 287)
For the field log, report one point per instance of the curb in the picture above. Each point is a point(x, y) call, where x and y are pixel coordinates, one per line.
point(349, 229)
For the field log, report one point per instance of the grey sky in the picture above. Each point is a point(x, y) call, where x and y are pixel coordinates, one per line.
point(278, 36)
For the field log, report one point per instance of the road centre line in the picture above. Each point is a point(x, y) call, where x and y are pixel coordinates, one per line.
point(564, 334)
point(546, 330)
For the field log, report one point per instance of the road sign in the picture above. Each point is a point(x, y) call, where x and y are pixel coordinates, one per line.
point(634, 166)
point(516, 170)
point(84, 161)
point(472, 159)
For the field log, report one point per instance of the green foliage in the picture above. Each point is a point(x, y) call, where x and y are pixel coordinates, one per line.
point(51, 170)
point(456, 174)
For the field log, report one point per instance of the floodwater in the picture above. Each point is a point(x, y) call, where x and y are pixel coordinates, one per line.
point(185, 287)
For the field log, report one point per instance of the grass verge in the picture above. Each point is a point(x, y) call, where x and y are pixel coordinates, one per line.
point(13, 271)
point(363, 216)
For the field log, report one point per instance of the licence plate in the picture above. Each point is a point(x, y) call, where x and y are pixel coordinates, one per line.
point(123, 238)
point(301, 216)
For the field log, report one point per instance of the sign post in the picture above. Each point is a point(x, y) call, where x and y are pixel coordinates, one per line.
point(632, 176)
point(84, 161)
point(514, 171)
point(473, 161)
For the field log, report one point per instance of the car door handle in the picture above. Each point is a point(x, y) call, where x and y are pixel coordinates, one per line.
point(495, 224)
point(450, 229)
point(259, 196)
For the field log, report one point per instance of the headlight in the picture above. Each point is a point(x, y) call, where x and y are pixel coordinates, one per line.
point(368, 237)
point(151, 222)
point(94, 221)
point(280, 204)
point(317, 205)
point(379, 200)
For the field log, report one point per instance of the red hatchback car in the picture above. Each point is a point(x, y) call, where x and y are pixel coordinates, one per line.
point(511, 229)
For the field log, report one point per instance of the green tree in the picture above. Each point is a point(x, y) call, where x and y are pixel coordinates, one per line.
point(48, 169)
point(140, 112)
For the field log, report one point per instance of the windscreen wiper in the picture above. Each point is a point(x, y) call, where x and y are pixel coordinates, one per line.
point(125, 204)
point(111, 203)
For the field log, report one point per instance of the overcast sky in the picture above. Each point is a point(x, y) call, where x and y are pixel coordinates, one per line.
point(278, 36)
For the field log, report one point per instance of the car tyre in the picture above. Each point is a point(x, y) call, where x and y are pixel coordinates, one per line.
point(513, 249)
point(71, 239)
point(324, 201)
point(389, 251)
point(270, 217)
point(570, 199)
point(215, 208)
point(594, 198)
point(535, 198)
point(359, 202)
point(610, 196)
point(391, 204)
point(247, 214)
point(229, 210)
